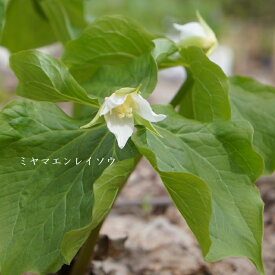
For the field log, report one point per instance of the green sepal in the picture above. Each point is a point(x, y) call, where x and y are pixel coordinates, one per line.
point(147, 124)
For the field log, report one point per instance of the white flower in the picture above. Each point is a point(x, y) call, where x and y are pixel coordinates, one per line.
point(119, 111)
point(197, 34)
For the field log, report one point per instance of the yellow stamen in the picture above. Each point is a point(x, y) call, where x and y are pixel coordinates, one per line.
point(126, 109)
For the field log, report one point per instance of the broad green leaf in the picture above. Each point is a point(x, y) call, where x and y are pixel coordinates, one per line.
point(2, 15)
point(65, 17)
point(108, 79)
point(255, 102)
point(81, 111)
point(219, 155)
point(163, 48)
point(109, 40)
point(76, 11)
point(44, 78)
point(41, 204)
point(83, 73)
point(207, 100)
point(192, 197)
point(25, 26)
point(106, 188)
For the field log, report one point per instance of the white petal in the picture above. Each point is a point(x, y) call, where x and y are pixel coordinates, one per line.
point(192, 29)
point(144, 109)
point(122, 128)
point(112, 101)
point(4, 57)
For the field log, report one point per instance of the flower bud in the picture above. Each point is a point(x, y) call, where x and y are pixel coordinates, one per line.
point(197, 34)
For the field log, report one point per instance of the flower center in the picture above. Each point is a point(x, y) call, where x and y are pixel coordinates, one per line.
point(126, 109)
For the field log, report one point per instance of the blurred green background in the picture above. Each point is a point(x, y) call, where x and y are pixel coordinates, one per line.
point(157, 15)
point(246, 26)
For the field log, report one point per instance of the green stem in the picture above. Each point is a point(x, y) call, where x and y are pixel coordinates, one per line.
point(183, 89)
point(86, 253)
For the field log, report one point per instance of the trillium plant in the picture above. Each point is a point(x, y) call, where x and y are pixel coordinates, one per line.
point(60, 174)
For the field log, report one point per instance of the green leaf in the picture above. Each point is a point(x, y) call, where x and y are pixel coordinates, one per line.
point(255, 102)
point(219, 156)
point(109, 40)
point(2, 15)
point(76, 12)
point(44, 78)
point(25, 27)
point(163, 49)
point(207, 100)
point(81, 111)
point(65, 17)
point(192, 197)
point(83, 73)
point(42, 204)
point(106, 188)
point(108, 79)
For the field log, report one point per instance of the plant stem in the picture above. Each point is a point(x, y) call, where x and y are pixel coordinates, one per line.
point(183, 89)
point(86, 253)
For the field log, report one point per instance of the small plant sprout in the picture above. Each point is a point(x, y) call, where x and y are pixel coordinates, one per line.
point(197, 34)
point(120, 110)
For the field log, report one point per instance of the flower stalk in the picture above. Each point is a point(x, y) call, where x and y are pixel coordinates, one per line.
point(86, 253)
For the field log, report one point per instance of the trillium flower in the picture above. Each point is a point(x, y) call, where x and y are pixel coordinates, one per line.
point(197, 34)
point(120, 110)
